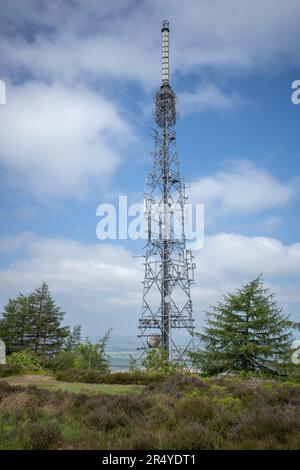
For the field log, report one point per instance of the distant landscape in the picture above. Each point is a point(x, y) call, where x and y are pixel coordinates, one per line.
point(119, 350)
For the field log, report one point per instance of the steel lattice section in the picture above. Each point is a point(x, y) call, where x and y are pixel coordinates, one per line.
point(169, 266)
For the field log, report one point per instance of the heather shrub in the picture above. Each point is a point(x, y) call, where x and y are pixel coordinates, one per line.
point(289, 393)
point(96, 376)
point(10, 369)
point(5, 388)
point(136, 377)
point(92, 376)
point(13, 402)
point(280, 393)
point(197, 408)
point(245, 390)
point(222, 413)
point(130, 404)
point(191, 436)
point(70, 375)
point(107, 420)
point(42, 435)
point(177, 382)
point(269, 424)
point(144, 440)
point(229, 403)
point(161, 415)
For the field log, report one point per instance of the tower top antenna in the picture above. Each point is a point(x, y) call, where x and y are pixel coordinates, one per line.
point(165, 52)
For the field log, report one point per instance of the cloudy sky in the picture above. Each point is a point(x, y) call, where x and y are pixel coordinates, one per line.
point(80, 77)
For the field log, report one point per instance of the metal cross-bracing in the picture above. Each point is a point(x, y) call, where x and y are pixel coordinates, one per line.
point(166, 319)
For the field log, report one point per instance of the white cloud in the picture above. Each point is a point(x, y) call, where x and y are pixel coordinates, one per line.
point(239, 256)
point(14, 243)
point(64, 133)
point(121, 39)
point(242, 189)
point(206, 98)
point(100, 285)
point(229, 260)
point(57, 140)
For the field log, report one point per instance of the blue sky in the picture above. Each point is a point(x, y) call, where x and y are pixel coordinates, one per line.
point(80, 79)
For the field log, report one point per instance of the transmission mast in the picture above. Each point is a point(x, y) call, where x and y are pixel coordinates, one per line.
point(166, 319)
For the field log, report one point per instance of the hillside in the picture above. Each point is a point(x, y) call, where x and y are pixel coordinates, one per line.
point(181, 412)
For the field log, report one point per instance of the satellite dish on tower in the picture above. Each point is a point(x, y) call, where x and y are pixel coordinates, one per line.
point(154, 341)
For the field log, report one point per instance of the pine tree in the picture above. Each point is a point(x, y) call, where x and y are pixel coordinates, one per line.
point(33, 323)
point(45, 330)
point(14, 324)
point(246, 332)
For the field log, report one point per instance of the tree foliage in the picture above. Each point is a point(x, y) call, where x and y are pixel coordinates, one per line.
point(33, 323)
point(157, 360)
point(27, 360)
point(15, 325)
point(93, 356)
point(85, 355)
point(73, 339)
point(63, 360)
point(246, 332)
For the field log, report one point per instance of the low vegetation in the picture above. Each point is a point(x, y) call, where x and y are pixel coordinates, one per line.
point(180, 412)
point(25, 360)
point(50, 383)
point(57, 391)
point(6, 370)
point(137, 377)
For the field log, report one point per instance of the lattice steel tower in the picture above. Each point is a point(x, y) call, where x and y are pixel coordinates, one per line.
point(169, 266)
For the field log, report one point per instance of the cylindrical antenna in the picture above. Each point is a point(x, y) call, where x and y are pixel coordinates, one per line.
point(165, 52)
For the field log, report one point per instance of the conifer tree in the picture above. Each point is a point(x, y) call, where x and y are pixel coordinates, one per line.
point(246, 332)
point(33, 323)
point(47, 334)
point(14, 329)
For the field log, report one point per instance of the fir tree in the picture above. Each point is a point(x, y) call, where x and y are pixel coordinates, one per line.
point(47, 334)
point(246, 332)
point(16, 318)
point(33, 323)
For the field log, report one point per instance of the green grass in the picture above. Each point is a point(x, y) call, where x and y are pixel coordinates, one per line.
point(49, 383)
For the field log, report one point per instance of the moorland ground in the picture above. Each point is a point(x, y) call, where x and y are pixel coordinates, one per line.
point(175, 412)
